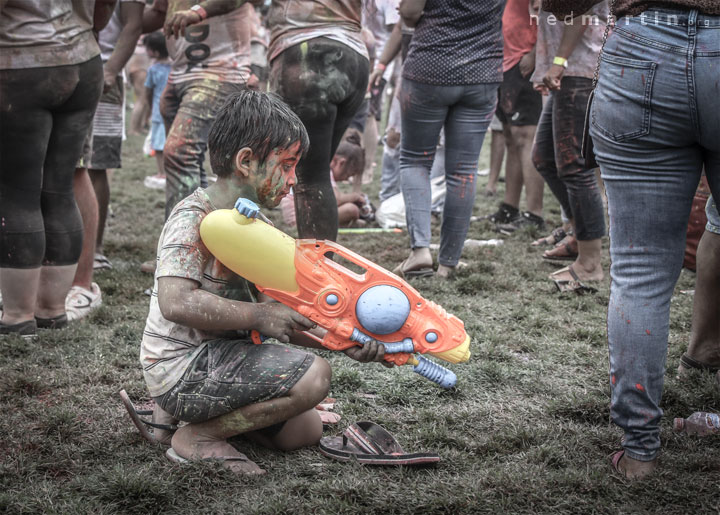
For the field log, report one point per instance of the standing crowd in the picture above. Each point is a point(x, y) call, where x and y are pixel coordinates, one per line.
point(626, 86)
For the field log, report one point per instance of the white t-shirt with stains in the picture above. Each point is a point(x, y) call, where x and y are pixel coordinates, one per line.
point(168, 348)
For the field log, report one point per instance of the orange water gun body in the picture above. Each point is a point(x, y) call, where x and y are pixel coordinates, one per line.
point(353, 307)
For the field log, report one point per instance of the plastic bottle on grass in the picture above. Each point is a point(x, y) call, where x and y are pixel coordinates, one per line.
point(699, 423)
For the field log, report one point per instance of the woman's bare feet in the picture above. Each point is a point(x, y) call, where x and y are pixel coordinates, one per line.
point(633, 469)
point(191, 445)
point(585, 272)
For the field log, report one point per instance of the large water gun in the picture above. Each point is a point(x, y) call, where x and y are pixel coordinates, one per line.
point(354, 307)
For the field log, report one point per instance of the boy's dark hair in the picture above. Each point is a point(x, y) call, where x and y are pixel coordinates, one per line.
point(255, 120)
point(155, 41)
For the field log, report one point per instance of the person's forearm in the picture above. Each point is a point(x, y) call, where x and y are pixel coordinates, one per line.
point(411, 11)
point(203, 310)
point(152, 20)
point(220, 7)
point(392, 47)
point(149, 96)
point(562, 8)
point(102, 14)
point(570, 39)
point(132, 16)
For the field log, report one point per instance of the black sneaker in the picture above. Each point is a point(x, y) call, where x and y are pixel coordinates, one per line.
point(505, 214)
point(524, 219)
point(25, 329)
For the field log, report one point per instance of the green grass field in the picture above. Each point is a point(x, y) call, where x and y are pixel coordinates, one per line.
point(526, 431)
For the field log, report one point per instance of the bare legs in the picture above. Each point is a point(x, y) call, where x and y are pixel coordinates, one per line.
point(209, 439)
point(497, 154)
point(88, 206)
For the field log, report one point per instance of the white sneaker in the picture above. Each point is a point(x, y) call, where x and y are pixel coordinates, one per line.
point(80, 302)
point(155, 182)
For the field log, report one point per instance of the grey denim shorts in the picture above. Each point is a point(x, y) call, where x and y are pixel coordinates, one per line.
point(713, 223)
point(229, 374)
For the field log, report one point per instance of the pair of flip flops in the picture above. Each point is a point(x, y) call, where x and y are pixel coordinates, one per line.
point(574, 285)
point(147, 427)
point(371, 444)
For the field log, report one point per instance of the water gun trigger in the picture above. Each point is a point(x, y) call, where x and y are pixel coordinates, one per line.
point(256, 337)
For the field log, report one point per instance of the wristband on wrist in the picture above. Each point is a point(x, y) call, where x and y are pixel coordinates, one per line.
point(200, 10)
point(561, 61)
point(380, 66)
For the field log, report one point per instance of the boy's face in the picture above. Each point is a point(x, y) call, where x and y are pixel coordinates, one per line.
point(276, 175)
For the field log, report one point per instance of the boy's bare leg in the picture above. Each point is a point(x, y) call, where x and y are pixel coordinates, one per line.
point(160, 416)
point(101, 184)
point(88, 206)
point(300, 431)
point(209, 439)
point(522, 137)
point(497, 154)
point(704, 344)
point(513, 169)
point(160, 162)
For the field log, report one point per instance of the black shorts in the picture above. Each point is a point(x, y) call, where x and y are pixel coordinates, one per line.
point(518, 103)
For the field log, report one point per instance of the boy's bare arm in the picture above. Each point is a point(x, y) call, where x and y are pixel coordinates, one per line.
point(183, 302)
point(175, 26)
point(149, 95)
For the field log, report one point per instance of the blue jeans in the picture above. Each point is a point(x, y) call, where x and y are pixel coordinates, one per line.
point(557, 155)
point(655, 124)
point(465, 112)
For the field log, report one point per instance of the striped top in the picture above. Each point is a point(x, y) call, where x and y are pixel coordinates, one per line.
point(168, 348)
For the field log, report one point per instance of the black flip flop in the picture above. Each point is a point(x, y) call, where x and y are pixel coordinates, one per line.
point(142, 424)
point(410, 274)
point(692, 364)
point(371, 444)
point(574, 285)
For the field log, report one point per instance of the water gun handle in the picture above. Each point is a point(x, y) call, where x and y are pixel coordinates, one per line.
point(434, 372)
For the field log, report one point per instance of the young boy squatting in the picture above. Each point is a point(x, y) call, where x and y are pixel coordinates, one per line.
point(198, 361)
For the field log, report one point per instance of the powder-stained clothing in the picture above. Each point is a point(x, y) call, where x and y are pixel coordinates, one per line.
point(295, 21)
point(42, 33)
point(457, 42)
point(169, 348)
point(629, 7)
point(217, 49)
point(583, 61)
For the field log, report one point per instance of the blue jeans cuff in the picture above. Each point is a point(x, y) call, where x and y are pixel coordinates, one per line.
point(641, 457)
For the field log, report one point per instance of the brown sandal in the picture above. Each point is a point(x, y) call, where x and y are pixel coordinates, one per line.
point(566, 250)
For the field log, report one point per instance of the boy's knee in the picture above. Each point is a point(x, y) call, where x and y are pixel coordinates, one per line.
point(315, 384)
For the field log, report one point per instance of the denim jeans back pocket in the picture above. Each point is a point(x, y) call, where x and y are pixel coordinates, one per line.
point(621, 108)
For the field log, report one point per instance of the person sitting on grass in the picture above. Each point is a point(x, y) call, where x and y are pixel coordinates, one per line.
point(198, 361)
point(347, 163)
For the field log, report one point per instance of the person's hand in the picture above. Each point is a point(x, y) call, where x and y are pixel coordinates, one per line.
point(527, 64)
point(278, 321)
point(358, 199)
point(392, 138)
point(375, 78)
point(253, 82)
point(176, 24)
point(371, 351)
point(553, 77)
point(542, 88)
point(109, 79)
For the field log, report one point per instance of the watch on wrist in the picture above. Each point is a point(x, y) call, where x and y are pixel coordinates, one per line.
point(561, 61)
point(200, 10)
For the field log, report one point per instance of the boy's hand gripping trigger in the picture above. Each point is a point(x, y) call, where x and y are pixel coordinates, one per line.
point(354, 307)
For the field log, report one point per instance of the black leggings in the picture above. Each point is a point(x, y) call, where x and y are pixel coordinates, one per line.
point(324, 82)
point(45, 114)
